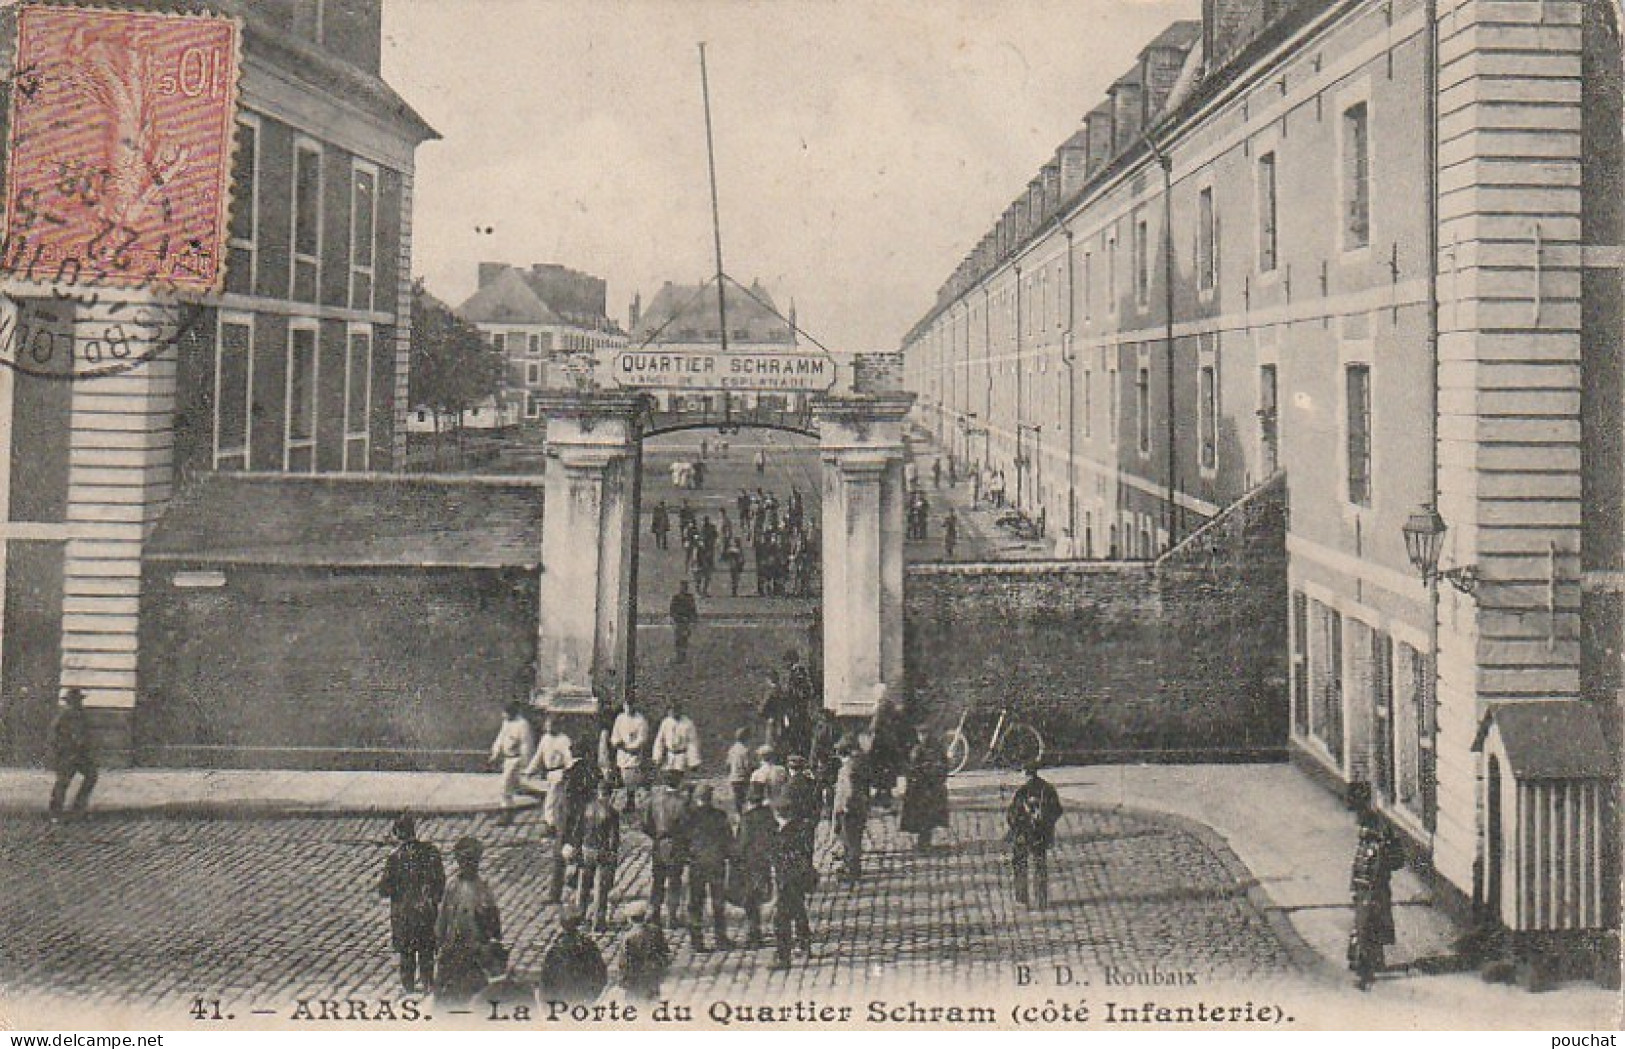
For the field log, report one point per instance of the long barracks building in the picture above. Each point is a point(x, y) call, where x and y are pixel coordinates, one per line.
point(1374, 244)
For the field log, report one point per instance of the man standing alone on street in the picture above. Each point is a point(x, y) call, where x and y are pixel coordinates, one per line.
point(468, 931)
point(414, 879)
point(72, 754)
point(1031, 817)
point(684, 614)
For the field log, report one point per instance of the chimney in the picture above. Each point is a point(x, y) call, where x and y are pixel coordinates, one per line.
point(634, 313)
point(1161, 62)
point(1037, 209)
point(1051, 176)
point(1127, 111)
point(490, 271)
point(1101, 124)
point(1072, 162)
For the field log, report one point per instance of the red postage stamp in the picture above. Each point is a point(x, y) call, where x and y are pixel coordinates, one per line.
point(121, 135)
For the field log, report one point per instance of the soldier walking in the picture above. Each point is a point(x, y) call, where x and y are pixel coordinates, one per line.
point(511, 751)
point(684, 614)
point(413, 881)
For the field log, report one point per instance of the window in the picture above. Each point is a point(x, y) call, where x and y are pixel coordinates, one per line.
point(1266, 213)
point(245, 220)
point(1356, 178)
point(307, 220)
point(363, 234)
point(1142, 408)
point(1358, 429)
point(1300, 663)
point(299, 433)
point(1326, 718)
point(1207, 238)
point(1379, 679)
point(1088, 285)
point(1207, 410)
point(1142, 261)
point(1088, 403)
point(1413, 762)
point(1268, 420)
point(535, 346)
point(533, 407)
point(233, 392)
point(533, 374)
point(1111, 274)
point(1114, 400)
point(499, 342)
point(357, 398)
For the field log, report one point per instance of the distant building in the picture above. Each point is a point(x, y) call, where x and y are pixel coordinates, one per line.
point(1394, 228)
point(298, 366)
point(544, 320)
point(686, 316)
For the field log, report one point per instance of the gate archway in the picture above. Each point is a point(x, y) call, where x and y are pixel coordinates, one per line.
point(587, 621)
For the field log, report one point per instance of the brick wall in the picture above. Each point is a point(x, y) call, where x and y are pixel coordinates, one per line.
point(877, 372)
point(1182, 660)
point(281, 668)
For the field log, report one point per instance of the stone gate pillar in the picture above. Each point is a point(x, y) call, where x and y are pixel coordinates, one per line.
point(864, 497)
point(589, 549)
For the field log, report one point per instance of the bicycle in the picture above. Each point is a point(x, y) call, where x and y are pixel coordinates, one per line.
point(1012, 745)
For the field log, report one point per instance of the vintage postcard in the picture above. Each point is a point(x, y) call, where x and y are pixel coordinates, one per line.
point(1069, 515)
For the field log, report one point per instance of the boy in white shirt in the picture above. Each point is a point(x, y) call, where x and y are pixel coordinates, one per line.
point(739, 769)
point(511, 750)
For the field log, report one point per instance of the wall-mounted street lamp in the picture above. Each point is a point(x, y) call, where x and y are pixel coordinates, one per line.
point(1424, 541)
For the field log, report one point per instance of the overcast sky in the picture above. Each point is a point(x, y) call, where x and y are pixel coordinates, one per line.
point(862, 147)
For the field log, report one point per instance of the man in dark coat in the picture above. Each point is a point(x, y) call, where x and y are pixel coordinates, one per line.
point(710, 847)
point(413, 881)
point(797, 799)
point(600, 854)
point(665, 821)
point(1376, 856)
point(573, 970)
point(1031, 817)
point(826, 760)
point(752, 871)
point(925, 806)
point(576, 791)
point(684, 614)
point(891, 739)
point(793, 877)
point(72, 754)
point(660, 525)
point(645, 957)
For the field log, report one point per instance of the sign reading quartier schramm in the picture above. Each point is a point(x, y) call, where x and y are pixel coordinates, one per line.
point(702, 368)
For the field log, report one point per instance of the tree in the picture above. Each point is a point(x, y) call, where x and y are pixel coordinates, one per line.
point(453, 369)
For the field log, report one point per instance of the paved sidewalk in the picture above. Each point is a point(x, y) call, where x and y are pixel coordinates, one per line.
point(1293, 837)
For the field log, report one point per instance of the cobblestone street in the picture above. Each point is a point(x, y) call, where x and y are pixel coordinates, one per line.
point(154, 913)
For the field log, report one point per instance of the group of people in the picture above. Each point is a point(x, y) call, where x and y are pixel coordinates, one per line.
point(778, 535)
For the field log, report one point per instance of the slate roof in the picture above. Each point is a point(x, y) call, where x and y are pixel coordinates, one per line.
point(689, 314)
point(352, 521)
point(508, 299)
point(1549, 739)
point(1178, 35)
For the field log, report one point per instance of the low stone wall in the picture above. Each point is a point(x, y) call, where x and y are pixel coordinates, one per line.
point(299, 667)
point(1179, 660)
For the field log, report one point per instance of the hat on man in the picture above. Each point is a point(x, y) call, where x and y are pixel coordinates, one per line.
point(1030, 766)
point(468, 847)
point(765, 750)
point(405, 827)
